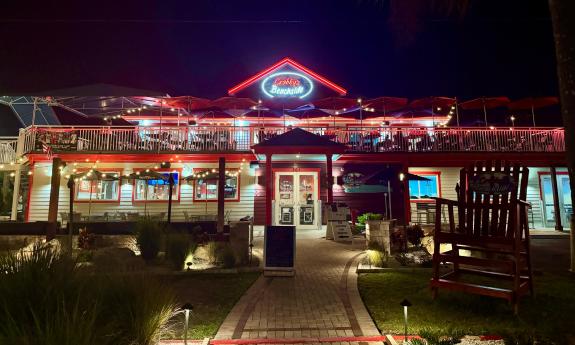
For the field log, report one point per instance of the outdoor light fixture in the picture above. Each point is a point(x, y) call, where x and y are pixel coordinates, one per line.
point(405, 304)
point(187, 308)
point(401, 176)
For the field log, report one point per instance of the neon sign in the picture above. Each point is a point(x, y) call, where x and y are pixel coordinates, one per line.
point(287, 85)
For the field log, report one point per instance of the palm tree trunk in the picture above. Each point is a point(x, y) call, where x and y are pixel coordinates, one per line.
point(562, 16)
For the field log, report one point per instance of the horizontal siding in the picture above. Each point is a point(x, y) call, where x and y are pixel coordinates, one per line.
point(41, 196)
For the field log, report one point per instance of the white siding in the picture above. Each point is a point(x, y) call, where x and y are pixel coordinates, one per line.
point(41, 194)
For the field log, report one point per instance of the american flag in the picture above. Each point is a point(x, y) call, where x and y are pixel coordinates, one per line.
point(47, 150)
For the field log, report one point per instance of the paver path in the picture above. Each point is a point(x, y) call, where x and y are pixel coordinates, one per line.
point(320, 301)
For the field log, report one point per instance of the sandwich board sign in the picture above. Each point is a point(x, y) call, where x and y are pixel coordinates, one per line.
point(279, 250)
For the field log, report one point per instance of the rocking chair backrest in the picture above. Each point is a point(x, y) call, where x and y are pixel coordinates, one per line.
point(488, 195)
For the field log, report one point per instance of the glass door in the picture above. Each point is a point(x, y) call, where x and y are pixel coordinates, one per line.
point(296, 199)
point(565, 203)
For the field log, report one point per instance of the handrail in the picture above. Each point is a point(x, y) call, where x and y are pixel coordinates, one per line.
point(237, 138)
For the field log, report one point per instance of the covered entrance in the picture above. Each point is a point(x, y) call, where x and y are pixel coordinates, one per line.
point(292, 195)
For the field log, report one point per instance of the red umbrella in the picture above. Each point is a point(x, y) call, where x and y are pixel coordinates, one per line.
point(485, 103)
point(436, 104)
point(333, 104)
point(236, 106)
point(531, 103)
point(386, 104)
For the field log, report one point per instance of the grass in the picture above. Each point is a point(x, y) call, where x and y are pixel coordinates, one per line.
point(212, 295)
point(547, 317)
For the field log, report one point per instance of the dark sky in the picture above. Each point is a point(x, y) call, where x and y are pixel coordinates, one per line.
point(203, 47)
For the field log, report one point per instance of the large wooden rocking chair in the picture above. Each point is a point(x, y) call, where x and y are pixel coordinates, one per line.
point(491, 228)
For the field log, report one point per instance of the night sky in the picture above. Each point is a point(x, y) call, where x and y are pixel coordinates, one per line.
point(202, 48)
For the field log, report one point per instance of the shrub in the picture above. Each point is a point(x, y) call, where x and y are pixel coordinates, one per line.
point(139, 309)
point(369, 216)
point(398, 239)
point(377, 258)
point(178, 246)
point(86, 240)
point(212, 252)
point(148, 238)
point(75, 308)
point(414, 235)
point(226, 255)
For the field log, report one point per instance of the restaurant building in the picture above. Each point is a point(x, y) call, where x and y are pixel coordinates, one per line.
point(280, 145)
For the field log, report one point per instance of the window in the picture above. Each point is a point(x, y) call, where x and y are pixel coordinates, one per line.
point(98, 190)
point(157, 190)
point(208, 189)
point(424, 189)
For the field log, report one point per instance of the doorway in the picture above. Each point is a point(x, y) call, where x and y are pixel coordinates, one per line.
point(565, 203)
point(296, 199)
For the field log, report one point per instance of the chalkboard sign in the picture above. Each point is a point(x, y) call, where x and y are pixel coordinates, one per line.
point(279, 248)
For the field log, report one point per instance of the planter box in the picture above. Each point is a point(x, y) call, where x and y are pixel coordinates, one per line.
point(379, 231)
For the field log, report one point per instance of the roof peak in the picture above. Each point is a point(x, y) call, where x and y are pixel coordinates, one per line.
point(295, 65)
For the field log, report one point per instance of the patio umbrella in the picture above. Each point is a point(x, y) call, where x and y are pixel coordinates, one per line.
point(485, 103)
point(531, 103)
point(206, 175)
point(436, 104)
point(386, 104)
point(307, 111)
point(334, 105)
point(235, 106)
point(149, 175)
point(91, 176)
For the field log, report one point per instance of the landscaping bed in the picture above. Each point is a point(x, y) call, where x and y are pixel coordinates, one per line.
point(546, 318)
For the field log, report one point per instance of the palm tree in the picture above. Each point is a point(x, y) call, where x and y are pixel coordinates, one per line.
point(406, 17)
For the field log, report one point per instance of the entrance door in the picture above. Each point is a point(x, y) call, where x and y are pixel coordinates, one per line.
point(296, 199)
point(565, 203)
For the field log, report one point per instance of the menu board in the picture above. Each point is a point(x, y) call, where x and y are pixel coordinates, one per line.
point(279, 248)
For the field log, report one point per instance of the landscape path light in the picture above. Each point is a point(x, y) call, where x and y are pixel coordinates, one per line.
point(405, 304)
point(187, 308)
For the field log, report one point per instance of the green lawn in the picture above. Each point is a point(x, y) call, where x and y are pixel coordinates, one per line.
point(549, 316)
point(213, 296)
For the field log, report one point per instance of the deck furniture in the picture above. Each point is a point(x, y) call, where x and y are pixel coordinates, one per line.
point(491, 224)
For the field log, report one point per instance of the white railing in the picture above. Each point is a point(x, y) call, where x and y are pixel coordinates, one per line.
point(230, 139)
point(8, 147)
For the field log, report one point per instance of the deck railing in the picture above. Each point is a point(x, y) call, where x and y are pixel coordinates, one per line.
point(8, 147)
point(229, 139)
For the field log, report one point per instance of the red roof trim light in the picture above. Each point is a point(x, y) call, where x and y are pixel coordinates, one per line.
point(253, 79)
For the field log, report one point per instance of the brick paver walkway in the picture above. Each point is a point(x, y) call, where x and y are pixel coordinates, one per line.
point(320, 301)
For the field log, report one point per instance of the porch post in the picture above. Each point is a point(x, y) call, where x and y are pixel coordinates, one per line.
point(54, 198)
point(221, 189)
point(269, 187)
point(16, 193)
point(329, 176)
point(406, 200)
point(556, 207)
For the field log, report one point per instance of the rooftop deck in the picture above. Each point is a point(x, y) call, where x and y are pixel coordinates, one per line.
point(240, 139)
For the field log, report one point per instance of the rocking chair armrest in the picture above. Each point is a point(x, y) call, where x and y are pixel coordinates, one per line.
point(443, 201)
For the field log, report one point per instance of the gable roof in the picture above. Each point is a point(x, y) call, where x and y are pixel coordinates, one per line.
point(282, 63)
point(298, 141)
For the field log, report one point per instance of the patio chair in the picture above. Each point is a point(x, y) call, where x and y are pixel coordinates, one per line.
point(492, 227)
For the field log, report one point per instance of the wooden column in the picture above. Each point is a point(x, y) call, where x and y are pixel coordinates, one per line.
point(269, 188)
point(329, 177)
point(54, 198)
point(221, 189)
point(556, 208)
point(405, 191)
